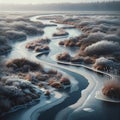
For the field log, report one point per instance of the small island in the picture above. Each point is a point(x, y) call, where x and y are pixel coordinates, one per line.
point(110, 92)
point(39, 45)
point(61, 32)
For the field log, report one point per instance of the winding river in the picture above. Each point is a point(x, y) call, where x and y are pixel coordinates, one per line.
point(76, 105)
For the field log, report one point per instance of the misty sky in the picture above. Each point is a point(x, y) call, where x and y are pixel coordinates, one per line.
point(46, 1)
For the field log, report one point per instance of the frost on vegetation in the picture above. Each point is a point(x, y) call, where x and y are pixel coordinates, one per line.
point(112, 90)
point(100, 39)
point(16, 28)
point(39, 45)
point(23, 65)
point(112, 37)
point(15, 35)
point(113, 21)
point(102, 48)
point(4, 45)
point(108, 65)
point(95, 36)
point(86, 23)
point(15, 92)
point(104, 61)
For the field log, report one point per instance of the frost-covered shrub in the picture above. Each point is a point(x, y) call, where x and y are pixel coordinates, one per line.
point(15, 35)
point(23, 65)
point(102, 48)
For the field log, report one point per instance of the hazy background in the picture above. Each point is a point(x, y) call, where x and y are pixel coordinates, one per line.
point(48, 1)
point(60, 5)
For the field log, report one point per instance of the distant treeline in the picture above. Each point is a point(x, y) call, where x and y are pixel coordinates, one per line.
point(96, 6)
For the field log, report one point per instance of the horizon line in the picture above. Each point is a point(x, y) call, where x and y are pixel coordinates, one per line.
point(58, 3)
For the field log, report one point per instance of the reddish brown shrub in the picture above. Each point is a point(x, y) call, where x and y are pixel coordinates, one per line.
point(112, 90)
